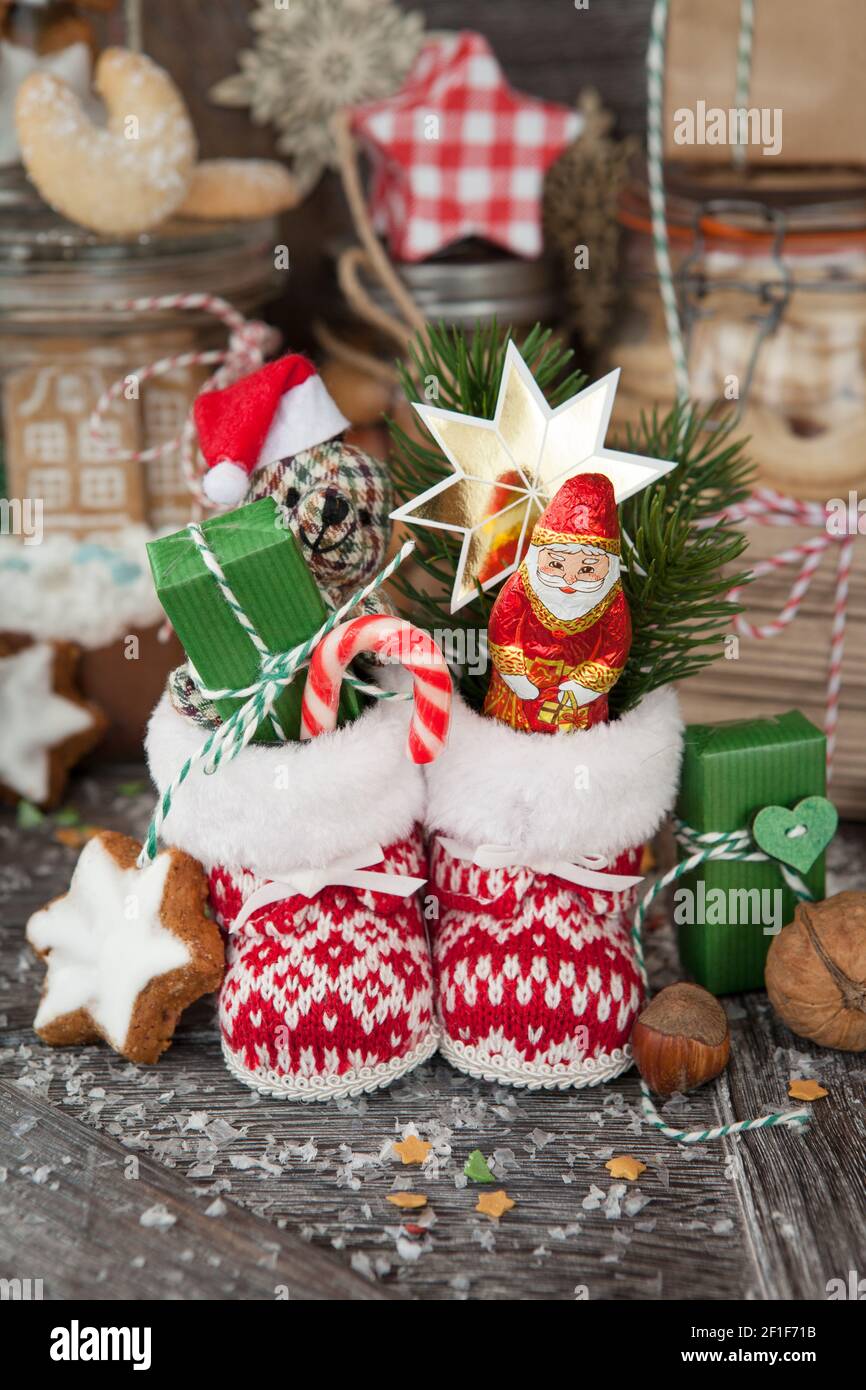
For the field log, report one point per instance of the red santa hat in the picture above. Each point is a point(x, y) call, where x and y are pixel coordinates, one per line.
point(272, 414)
point(583, 512)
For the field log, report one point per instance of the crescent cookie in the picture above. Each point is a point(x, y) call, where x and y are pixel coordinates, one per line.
point(118, 180)
point(238, 189)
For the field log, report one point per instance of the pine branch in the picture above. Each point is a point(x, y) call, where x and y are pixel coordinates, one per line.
point(675, 572)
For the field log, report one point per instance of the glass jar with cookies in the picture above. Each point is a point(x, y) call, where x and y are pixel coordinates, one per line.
point(771, 283)
point(76, 507)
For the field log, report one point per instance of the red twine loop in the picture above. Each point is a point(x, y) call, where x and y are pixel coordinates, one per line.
point(249, 343)
point(769, 508)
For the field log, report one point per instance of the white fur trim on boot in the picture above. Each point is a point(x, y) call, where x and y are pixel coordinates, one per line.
point(294, 806)
point(600, 791)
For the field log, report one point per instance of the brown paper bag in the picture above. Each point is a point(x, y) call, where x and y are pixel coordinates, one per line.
point(808, 63)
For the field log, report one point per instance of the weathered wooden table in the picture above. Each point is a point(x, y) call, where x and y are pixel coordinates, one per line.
point(174, 1182)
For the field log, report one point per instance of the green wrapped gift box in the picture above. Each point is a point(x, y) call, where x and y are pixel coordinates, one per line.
point(730, 772)
point(267, 573)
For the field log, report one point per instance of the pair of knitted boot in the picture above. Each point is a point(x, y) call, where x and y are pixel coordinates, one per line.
point(376, 912)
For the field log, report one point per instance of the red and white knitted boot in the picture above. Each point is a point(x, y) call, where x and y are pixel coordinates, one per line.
point(328, 990)
point(536, 845)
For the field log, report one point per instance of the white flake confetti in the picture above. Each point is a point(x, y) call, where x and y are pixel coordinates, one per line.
point(157, 1218)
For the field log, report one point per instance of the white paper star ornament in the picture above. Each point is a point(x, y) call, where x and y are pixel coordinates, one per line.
point(507, 469)
point(127, 949)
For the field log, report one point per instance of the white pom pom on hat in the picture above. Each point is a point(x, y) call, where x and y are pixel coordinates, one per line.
point(226, 483)
point(274, 413)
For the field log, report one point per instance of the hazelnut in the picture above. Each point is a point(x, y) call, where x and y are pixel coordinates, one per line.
point(681, 1040)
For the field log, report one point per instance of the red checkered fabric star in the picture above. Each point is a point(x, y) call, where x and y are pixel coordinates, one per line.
point(457, 153)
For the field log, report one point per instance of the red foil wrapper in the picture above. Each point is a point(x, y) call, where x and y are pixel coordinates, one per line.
point(525, 638)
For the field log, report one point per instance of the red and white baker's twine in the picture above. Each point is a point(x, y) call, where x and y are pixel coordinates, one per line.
point(387, 637)
point(249, 343)
point(769, 508)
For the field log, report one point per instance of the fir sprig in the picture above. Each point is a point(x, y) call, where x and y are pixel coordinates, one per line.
point(674, 575)
point(675, 571)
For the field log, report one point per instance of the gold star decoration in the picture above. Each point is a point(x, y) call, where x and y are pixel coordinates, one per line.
point(799, 1089)
point(507, 469)
point(494, 1204)
point(412, 1149)
point(408, 1200)
point(624, 1166)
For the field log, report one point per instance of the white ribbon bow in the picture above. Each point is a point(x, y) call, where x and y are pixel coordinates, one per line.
point(587, 870)
point(349, 872)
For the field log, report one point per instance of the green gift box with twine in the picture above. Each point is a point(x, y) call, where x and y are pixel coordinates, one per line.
point(270, 580)
point(731, 771)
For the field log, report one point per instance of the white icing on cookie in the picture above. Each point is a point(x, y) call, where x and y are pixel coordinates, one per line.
point(34, 719)
point(79, 591)
point(106, 941)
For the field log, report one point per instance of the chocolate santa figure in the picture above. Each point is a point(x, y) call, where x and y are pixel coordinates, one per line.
point(560, 631)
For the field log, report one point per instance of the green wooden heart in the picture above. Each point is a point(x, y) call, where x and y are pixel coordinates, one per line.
point(796, 837)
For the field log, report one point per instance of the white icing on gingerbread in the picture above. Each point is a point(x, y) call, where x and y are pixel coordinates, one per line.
point(106, 942)
point(34, 719)
point(79, 591)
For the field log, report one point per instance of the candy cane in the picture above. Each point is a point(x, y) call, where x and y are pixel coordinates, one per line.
point(387, 637)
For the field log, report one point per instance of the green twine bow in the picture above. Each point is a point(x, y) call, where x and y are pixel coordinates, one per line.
point(737, 845)
point(278, 669)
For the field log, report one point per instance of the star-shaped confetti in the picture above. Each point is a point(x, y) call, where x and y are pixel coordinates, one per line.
point(408, 1200)
point(46, 724)
point(799, 1089)
point(412, 1149)
point(507, 469)
point(127, 949)
point(494, 1204)
point(624, 1166)
point(458, 153)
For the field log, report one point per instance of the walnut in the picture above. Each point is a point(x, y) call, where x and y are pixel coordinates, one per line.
point(816, 972)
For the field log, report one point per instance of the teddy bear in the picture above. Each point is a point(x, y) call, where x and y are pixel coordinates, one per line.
point(336, 499)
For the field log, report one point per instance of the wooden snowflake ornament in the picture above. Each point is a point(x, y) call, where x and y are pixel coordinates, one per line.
point(45, 725)
point(127, 949)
